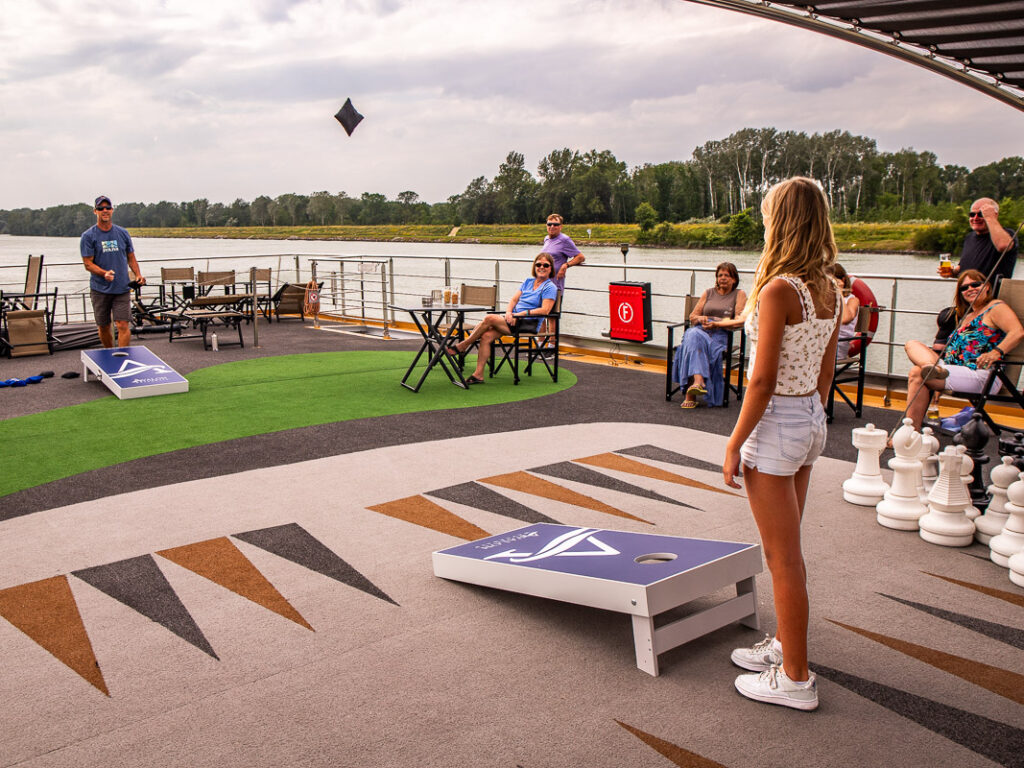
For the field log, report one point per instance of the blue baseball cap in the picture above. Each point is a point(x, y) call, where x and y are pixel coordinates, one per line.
point(102, 199)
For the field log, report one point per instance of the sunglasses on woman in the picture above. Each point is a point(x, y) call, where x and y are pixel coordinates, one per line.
point(542, 265)
point(968, 286)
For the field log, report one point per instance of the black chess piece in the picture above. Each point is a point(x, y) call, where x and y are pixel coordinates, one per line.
point(975, 436)
point(1011, 445)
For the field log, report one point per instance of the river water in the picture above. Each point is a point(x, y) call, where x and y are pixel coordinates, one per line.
point(418, 267)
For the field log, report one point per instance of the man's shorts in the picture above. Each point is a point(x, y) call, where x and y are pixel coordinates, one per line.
point(790, 435)
point(111, 305)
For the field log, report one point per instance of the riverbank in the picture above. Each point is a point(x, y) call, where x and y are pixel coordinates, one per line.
point(885, 237)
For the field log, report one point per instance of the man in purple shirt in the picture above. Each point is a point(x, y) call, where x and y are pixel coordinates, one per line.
point(562, 249)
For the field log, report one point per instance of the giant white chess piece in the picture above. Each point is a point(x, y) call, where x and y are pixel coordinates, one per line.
point(966, 477)
point(929, 460)
point(1017, 569)
point(946, 524)
point(866, 486)
point(1011, 541)
point(991, 523)
point(902, 506)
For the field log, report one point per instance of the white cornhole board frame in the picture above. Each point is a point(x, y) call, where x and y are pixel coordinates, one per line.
point(636, 573)
point(131, 372)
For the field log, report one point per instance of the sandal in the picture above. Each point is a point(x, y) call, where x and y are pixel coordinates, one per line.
point(688, 404)
point(474, 380)
point(936, 372)
point(697, 390)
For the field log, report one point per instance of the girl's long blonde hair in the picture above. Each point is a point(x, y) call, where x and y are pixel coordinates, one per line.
point(798, 238)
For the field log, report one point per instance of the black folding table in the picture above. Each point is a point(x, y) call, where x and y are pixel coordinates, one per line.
point(430, 322)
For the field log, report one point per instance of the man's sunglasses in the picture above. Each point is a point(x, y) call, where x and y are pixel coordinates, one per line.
point(975, 215)
point(554, 224)
point(105, 208)
point(968, 286)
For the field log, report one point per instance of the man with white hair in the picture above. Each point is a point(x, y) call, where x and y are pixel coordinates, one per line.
point(989, 245)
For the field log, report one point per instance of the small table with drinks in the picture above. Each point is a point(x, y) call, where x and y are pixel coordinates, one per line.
point(441, 325)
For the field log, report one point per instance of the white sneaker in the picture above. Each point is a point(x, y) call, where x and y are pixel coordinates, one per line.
point(773, 686)
point(760, 656)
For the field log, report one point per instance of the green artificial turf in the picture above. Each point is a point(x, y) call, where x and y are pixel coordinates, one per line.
point(240, 399)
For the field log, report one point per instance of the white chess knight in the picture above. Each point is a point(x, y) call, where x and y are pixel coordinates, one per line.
point(991, 523)
point(866, 486)
point(902, 506)
point(946, 523)
point(1010, 541)
point(929, 460)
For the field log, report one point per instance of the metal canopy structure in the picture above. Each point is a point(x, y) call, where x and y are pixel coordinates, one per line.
point(979, 44)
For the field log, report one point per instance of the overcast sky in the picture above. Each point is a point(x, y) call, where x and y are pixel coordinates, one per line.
point(146, 100)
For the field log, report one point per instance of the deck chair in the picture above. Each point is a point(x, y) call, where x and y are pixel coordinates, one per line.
point(25, 332)
point(33, 282)
point(480, 295)
point(733, 359)
point(852, 369)
point(175, 278)
point(290, 299)
point(262, 291)
point(1006, 371)
point(521, 350)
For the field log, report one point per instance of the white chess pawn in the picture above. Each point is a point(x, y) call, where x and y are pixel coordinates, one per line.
point(866, 486)
point(929, 459)
point(991, 523)
point(967, 477)
point(1017, 569)
point(1011, 540)
point(946, 524)
point(902, 507)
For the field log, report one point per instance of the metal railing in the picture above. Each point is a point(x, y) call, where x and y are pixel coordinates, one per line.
point(363, 287)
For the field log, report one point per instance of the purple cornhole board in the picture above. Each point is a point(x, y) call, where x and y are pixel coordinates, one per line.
point(640, 574)
point(131, 372)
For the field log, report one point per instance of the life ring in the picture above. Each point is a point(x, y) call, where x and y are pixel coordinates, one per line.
point(867, 299)
point(311, 301)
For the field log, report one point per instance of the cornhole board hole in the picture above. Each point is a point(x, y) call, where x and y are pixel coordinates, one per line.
point(641, 574)
point(131, 372)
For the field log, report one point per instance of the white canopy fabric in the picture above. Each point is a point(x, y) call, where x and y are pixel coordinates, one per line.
point(980, 44)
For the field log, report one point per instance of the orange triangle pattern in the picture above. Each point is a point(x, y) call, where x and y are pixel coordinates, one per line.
point(223, 563)
point(681, 757)
point(420, 510)
point(1002, 682)
point(46, 611)
point(999, 594)
point(622, 464)
point(537, 486)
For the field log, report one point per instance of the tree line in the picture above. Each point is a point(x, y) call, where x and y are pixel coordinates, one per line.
point(722, 178)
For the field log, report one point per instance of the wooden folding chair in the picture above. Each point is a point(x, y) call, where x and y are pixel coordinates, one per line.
point(733, 358)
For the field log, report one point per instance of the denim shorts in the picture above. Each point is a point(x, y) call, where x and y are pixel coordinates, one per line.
point(790, 435)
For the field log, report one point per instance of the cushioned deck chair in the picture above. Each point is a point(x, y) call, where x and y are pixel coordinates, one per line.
point(26, 332)
point(733, 359)
point(853, 367)
point(521, 350)
point(1006, 371)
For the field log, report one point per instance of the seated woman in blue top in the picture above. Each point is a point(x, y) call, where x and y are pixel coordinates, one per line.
point(526, 309)
point(698, 361)
point(988, 330)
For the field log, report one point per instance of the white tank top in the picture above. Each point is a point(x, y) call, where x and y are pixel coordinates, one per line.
point(803, 344)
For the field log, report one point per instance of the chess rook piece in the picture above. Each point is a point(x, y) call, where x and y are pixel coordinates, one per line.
point(945, 523)
point(975, 435)
point(902, 507)
point(929, 460)
point(866, 487)
point(1011, 540)
point(991, 523)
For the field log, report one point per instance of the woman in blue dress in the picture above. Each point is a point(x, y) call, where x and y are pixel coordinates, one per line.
point(698, 362)
point(526, 309)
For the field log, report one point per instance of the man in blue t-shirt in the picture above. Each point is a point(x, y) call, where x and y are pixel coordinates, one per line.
point(562, 249)
point(108, 253)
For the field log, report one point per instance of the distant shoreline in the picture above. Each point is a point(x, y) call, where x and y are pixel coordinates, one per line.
point(885, 238)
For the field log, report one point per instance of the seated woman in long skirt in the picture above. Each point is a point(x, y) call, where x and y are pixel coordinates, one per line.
point(698, 362)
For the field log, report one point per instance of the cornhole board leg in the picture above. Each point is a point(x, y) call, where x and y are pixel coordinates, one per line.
point(131, 372)
point(641, 574)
